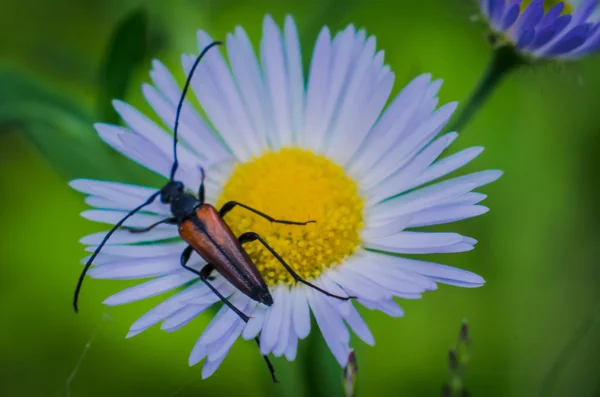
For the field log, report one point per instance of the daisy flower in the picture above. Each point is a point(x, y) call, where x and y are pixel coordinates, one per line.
point(565, 31)
point(329, 150)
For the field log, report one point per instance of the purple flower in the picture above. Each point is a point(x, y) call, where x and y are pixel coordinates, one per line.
point(554, 34)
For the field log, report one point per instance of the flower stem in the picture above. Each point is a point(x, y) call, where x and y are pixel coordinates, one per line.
point(322, 372)
point(504, 60)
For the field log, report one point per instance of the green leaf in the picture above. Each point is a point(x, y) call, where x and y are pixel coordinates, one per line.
point(128, 49)
point(62, 130)
point(68, 143)
point(17, 87)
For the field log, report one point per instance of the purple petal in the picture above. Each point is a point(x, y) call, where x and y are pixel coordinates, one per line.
point(583, 12)
point(544, 36)
point(511, 12)
point(592, 44)
point(524, 31)
point(496, 10)
point(551, 16)
point(525, 38)
point(570, 41)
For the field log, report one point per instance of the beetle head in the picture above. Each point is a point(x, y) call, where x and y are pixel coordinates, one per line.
point(171, 191)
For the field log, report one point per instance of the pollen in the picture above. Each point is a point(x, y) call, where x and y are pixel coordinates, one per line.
point(295, 185)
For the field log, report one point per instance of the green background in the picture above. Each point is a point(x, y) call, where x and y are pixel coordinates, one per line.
point(538, 246)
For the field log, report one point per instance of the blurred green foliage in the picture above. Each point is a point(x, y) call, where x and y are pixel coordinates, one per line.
point(538, 246)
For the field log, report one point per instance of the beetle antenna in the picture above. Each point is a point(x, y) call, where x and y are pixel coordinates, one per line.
point(180, 104)
point(104, 240)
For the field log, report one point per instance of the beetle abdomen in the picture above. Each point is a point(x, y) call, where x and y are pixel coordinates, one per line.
point(212, 239)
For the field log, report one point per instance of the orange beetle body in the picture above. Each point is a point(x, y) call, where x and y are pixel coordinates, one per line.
point(214, 241)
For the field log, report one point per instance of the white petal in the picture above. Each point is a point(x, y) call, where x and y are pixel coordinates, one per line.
point(272, 325)
point(276, 79)
point(215, 105)
point(385, 282)
point(391, 126)
point(340, 72)
point(329, 324)
point(360, 328)
point(141, 251)
point(396, 225)
point(255, 323)
point(400, 154)
point(295, 74)
point(136, 268)
point(182, 317)
point(301, 315)
point(446, 214)
point(221, 350)
point(409, 240)
point(101, 202)
point(386, 264)
point(362, 102)
point(218, 71)
point(101, 259)
point(405, 178)
point(197, 136)
point(197, 354)
point(467, 199)
point(389, 307)
point(249, 80)
point(286, 320)
point(370, 112)
point(316, 94)
point(224, 320)
point(418, 200)
point(146, 128)
point(113, 217)
point(326, 283)
point(440, 272)
point(452, 163)
point(292, 348)
point(160, 312)
point(201, 133)
point(208, 296)
point(114, 195)
point(210, 367)
point(358, 286)
point(148, 155)
point(164, 81)
point(151, 288)
point(426, 108)
point(126, 237)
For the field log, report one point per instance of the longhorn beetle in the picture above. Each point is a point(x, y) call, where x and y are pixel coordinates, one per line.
point(205, 231)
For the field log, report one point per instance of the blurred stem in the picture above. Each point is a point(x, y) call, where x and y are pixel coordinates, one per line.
point(504, 60)
point(321, 370)
point(564, 358)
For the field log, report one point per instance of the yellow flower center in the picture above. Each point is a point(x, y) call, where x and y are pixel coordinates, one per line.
point(295, 185)
point(548, 4)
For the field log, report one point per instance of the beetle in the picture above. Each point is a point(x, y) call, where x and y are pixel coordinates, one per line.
point(205, 231)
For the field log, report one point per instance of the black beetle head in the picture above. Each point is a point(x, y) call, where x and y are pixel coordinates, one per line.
point(171, 191)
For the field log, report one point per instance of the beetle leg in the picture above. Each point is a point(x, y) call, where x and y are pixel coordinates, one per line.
point(169, 221)
point(251, 236)
point(205, 276)
point(228, 206)
point(201, 188)
point(271, 369)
